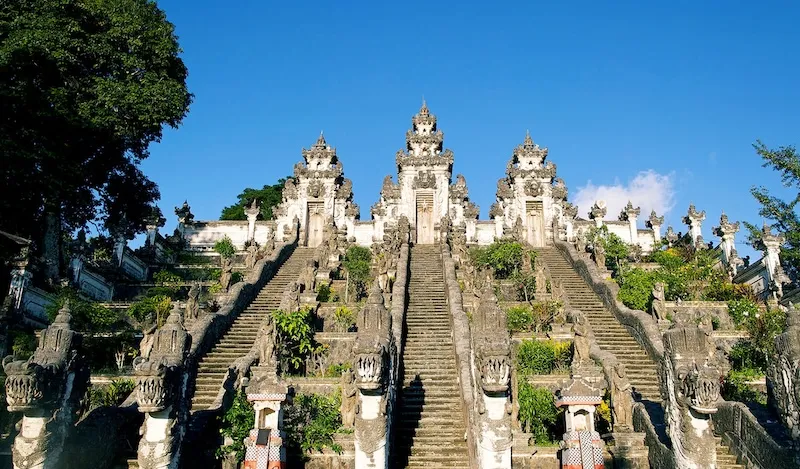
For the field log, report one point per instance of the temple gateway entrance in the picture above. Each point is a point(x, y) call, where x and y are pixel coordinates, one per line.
point(315, 224)
point(425, 217)
point(534, 213)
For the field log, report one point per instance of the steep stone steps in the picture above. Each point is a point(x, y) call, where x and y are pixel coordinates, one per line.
point(429, 427)
point(239, 339)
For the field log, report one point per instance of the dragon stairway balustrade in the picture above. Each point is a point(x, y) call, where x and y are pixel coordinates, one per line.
point(784, 376)
point(47, 389)
point(690, 387)
point(162, 380)
point(375, 357)
point(492, 347)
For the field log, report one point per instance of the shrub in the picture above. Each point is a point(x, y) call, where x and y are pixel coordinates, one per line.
point(111, 395)
point(236, 277)
point(504, 257)
point(344, 319)
point(323, 292)
point(311, 421)
point(357, 263)
point(744, 355)
point(525, 283)
point(336, 370)
point(86, 315)
point(296, 337)
point(150, 310)
point(537, 413)
point(735, 388)
point(225, 248)
point(536, 317)
point(237, 422)
point(23, 344)
point(519, 318)
point(636, 289)
point(742, 310)
point(536, 357)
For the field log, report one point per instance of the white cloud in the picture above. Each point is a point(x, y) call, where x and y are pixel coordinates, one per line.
point(648, 190)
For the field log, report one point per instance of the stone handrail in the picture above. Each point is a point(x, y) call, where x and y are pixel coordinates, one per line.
point(463, 349)
point(400, 298)
point(659, 454)
point(643, 327)
point(751, 443)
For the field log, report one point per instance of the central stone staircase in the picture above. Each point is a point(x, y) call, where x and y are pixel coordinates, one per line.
point(613, 337)
point(429, 427)
point(237, 342)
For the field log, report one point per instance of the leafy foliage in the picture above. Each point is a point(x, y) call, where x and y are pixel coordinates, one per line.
point(538, 413)
point(336, 370)
point(237, 422)
point(735, 387)
point(617, 250)
point(296, 337)
point(525, 281)
point(268, 197)
point(323, 292)
point(150, 310)
point(112, 394)
point(783, 213)
point(358, 263)
point(23, 343)
point(536, 317)
point(86, 315)
point(535, 357)
point(87, 86)
point(344, 319)
point(225, 248)
point(636, 289)
point(311, 421)
point(503, 256)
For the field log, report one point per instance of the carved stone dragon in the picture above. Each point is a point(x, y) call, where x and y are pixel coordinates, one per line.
point(47, 388)
point(161, 392)
point(690, 386)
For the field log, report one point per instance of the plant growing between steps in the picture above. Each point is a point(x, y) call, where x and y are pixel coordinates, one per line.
point(536, 317)
point(504, 257)
point(542, 357)
point(538, 413)
point(225, 248)
point(237, 422)
point(344, 319)
point(357, 264)
point(295, 338)
point(311, 422)
point(110, 395)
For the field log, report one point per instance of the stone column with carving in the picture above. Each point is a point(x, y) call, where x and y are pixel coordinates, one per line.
point(654, 223)
point(252, 212)
point(493, 366)
point(694, 220)
point(597, 212)
point(47, 389)
point(771, 245)
point(726, 231)
point(570, 212)
point(581, 445)
point(631, 214)
point(162, 395)
point(690, 385)
point(783, 376)
point(374, 357)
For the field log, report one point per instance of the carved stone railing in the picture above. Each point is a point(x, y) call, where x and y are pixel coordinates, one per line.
point(751, 443)
point(660, 455)
point(640, 324)
point(399, 300)
point(464, 352)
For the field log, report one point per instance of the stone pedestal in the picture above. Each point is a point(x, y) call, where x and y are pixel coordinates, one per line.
point(309, 299)
point(323, 276)
point(628, 450)
point(561, 332)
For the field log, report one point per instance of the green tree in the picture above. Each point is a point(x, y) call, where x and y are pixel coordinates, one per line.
point(85, 87)
point(237, 422)
point(357, 263)
point(782, 213)
point(268, 197)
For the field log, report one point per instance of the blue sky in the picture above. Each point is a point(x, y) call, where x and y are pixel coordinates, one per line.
point(681, 90)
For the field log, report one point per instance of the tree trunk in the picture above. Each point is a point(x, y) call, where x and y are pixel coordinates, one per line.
point(51, 246)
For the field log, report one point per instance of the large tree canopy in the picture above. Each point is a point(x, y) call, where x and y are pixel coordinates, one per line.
point(782, 213)
point(85, 87)
point(268, 197)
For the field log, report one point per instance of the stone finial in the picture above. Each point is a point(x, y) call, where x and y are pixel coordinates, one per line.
point(559, 190)
point(598, 211)
point(184, 213)
point(654, 220)
point(771, 245)
point(528, 156)
point(629, 212)
point(694, 220)
point(672, 236)
point(726, 228)
point(570, 211)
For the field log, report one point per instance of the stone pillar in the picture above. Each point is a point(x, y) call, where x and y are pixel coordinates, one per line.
point(252, 212)
point(119, 250)
point(152, 234)
point(374, 353)
point(771, 244)
point(570, 212)
point(629, 451)
point(597, 212)
point(694, 220)
point(47, 389)
point(185, 216)
point(726, 231)
point(161, 392)
point(691, 384)
point(493, 362)
point(20, 279)
point(264, 448)
point(654, 223)
point(580, 400)
point(630, 214)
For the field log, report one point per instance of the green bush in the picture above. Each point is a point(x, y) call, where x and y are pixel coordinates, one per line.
point(237, 422)
point(358, 264)
point(225, 248)
point(503, 256)
point(150, 310)
point(535, 357)
point(23, 343)
point(536, 317)
point(335, 371)
point(741, 311)
point(296, 337)
point(236, 277)
point(323, 292)
point(525, 283)
point(636, 289)
point(344, 319)
point(537, 413)
point(519, 318)
point(311, 421)
point(86, 315)
point(735, 388)
point(112, 394)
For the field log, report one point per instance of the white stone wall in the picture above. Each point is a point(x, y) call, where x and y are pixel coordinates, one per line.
point(204, 234)
point(95, 285)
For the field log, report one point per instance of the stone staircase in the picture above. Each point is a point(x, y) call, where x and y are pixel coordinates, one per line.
point(429, 426)
point(613, 337)
point(212, 367)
